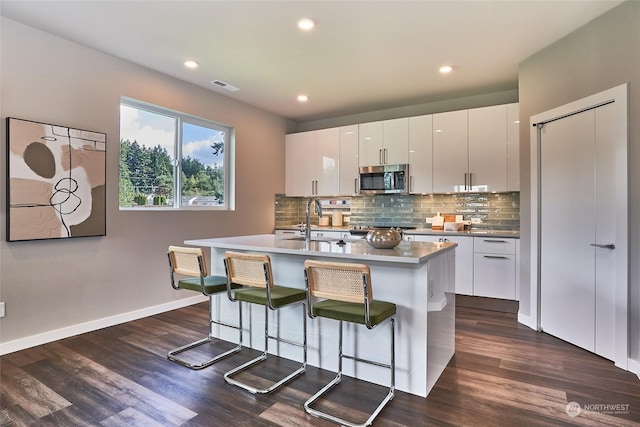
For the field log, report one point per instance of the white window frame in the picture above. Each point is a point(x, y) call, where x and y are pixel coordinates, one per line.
point(228, 157)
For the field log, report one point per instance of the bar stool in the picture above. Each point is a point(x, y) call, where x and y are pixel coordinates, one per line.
point(254, 273)
point(345, 290)
point(190, 262)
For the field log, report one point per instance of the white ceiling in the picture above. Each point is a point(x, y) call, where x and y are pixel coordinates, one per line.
point(362, 55)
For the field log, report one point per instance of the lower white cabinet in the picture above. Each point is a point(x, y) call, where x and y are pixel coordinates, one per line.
point(485, 266)
point(494, 267)
point(464, 258)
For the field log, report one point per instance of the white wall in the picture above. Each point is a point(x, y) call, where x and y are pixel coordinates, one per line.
point(601, 55)
point(50, 285)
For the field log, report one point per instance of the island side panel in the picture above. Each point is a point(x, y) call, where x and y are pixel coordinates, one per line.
point(441, 318)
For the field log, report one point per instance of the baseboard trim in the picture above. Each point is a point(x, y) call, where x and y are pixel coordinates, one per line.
point(81, 328)
point(484, 303)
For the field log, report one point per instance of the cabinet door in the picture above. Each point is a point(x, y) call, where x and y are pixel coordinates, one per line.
point(488, 148)
point(420, 154)
point(370, 144)
point(326, 162)
point(494, 267)
point(513, 147)
point(299, 169)
point(349, 173)
point(494, 276)
point(450, 151)
point(395, 141)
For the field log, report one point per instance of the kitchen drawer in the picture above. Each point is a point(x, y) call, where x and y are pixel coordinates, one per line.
point(494, 275)
point(494, 245)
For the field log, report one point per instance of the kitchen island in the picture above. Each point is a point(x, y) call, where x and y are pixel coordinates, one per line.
point(417, 276)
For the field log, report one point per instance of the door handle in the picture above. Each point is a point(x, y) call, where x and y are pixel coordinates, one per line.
point(604, 246)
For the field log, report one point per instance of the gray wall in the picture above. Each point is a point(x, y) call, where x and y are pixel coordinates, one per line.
point(598, 56)
point(48, 285)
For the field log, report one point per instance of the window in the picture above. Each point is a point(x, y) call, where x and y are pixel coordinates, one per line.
point(151, 139)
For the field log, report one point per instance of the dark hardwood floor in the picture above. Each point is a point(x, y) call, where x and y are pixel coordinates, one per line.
point(503, 374)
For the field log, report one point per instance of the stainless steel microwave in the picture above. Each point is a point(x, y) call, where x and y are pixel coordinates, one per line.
point(384, 179)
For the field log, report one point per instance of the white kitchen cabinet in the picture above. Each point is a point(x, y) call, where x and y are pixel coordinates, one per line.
point(420, 154)
point(349, 172)
point(464, 258)
point(513, 147)
point(487, 149)
point(384, 143)
point(494, 267)
point(450, 152)
point(312, 163)
point(476, 150)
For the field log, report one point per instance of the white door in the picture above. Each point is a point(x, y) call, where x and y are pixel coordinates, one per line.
point(327, 162)
point(488, 148)
point(420, 154)
point(450, 152)
point(349, 172)
point(395, 141)
point(577, 269)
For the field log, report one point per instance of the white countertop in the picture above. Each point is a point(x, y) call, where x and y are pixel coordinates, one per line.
point(404, 253)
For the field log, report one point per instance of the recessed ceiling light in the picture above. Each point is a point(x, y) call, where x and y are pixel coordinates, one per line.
point(303, 98)
point(306, 24)
point(445, 69)
point(190, 63)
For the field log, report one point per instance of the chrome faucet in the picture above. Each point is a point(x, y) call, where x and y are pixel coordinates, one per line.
point(307, 230)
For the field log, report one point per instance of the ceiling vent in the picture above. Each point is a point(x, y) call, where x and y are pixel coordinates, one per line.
point(224, 85)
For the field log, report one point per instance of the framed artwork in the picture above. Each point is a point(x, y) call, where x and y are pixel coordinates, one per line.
point(56, 179)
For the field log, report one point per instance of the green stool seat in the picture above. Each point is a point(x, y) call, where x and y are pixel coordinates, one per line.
point(379, 311)
point(280, 296)
point(212, 284)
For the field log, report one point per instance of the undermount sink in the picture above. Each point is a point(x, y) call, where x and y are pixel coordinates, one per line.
point(323, 239)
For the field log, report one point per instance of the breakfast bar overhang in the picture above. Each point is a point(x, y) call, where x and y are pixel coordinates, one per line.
point(419, 277)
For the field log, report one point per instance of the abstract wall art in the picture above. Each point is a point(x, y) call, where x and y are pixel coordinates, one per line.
point(56, 179)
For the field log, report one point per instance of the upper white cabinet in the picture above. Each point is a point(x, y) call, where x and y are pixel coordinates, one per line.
point(458, 151)
point(475, 150)
point(312, 163)
point(349, 172)
point(420, 154)
point(487, 149)
point(384, 143)
point(450, 151)
point(513, 147)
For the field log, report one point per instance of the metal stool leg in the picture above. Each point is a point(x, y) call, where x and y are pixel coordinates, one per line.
point(196, 365)
point(338, 378)
point(228, 375)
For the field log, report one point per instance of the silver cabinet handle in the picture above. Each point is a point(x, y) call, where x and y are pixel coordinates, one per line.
point(604, 246)
point(355, 185)
point(465, 182)
point(380, 156)
point(495, 241)
point(385, 156)
point(470, 181)
point(495, 257)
